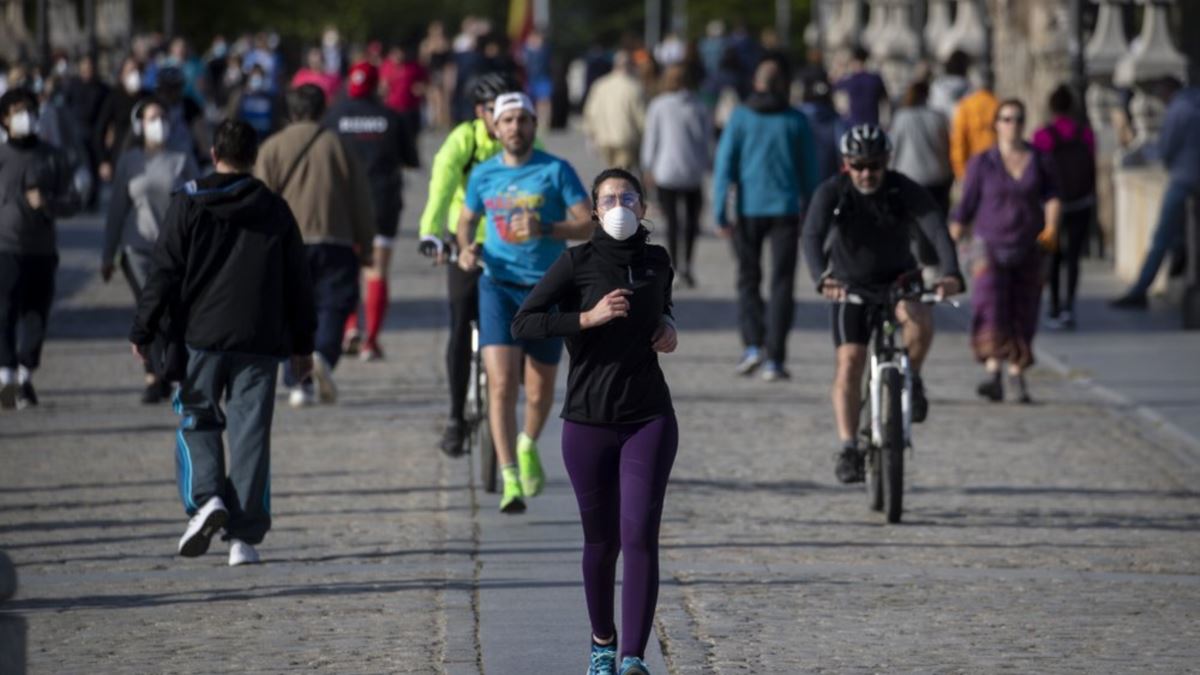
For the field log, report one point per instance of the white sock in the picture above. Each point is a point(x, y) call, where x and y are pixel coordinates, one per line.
point(6, 376)
point(23, 374)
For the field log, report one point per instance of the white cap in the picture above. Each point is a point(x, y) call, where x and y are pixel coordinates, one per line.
point(513, 100)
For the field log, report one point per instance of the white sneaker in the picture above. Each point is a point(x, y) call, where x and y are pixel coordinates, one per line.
point(322, 376)
point(300, 397)
point(201, 528)
point(241, 553)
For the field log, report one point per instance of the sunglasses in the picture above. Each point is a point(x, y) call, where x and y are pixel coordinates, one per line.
point(1012, 119)
point(626, 199)
point(860, 167)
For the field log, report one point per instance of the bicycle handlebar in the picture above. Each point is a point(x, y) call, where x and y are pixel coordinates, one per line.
point(892, 295)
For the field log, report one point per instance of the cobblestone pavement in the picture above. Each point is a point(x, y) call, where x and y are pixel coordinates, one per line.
point(1059, 537)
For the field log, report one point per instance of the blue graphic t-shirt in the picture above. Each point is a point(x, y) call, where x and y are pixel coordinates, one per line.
point(545, 185)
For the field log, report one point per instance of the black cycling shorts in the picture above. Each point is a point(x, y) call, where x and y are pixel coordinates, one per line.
point(851, 324)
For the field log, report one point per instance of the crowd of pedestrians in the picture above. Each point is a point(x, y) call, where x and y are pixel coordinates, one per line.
point(222, 173)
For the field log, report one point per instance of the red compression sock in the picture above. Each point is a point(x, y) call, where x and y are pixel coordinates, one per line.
point(376, 304)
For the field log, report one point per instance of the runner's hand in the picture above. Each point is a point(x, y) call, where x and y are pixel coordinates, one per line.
point(665, 339)
point(612, 306)
point(468, 258)
point(833, 290)
point(522, 224)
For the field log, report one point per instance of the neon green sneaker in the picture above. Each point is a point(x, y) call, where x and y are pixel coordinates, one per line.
point(513, 499)
point(532, 478)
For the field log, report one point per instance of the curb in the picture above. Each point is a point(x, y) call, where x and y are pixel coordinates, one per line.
point(1185, 447)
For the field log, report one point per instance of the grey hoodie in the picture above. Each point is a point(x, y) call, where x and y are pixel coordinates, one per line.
point(141, 192)
point(677, 145)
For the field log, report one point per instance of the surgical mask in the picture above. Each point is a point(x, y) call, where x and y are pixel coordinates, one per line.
point(132, 82)
point(256, 82)
point(20, 125)
point(60, 67)
point(620, 223)
point(156, 131)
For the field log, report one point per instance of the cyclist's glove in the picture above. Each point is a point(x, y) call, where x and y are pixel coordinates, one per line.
point(431, 247)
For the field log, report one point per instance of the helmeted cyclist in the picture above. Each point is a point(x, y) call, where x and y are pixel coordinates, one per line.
point(467, 145)
point(858, 234)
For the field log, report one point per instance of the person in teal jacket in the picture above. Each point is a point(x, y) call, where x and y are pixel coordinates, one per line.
point(767, 150)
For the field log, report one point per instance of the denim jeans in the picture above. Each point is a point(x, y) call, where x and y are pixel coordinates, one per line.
point(1167, 234)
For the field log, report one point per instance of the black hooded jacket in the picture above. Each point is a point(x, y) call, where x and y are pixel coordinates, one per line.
point(614, 376)
point(230, 267)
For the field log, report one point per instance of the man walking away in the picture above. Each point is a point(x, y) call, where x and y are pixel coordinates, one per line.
point(615, 114)
point(1179, 148)
point(384, 142)
point(326, 187)
point(230, 267)
point(767, 150)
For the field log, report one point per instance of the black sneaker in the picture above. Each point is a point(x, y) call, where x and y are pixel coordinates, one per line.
point(851, 466)
point(920, 404)
point(453, 439)
point(992, 389)
point(1130, 301)
point(26, 396)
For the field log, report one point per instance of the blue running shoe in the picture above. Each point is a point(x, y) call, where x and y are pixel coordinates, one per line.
point(632, 665)
point(604, 659)
point(752, 358)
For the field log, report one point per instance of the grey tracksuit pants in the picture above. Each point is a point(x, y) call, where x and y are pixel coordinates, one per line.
point(246, 382)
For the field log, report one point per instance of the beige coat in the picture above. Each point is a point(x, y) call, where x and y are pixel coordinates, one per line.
point(615, 112)
point(328, 192)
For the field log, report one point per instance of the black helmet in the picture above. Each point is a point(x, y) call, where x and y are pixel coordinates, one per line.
point(865, 141)
point(488, 86)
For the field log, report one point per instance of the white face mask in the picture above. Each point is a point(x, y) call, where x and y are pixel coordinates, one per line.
point(156, 131)
point(620, 223)
point(132, 82)
point(256, 82)
point(20, 125)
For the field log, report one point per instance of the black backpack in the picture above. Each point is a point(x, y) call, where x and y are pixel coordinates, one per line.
point(1074, 165)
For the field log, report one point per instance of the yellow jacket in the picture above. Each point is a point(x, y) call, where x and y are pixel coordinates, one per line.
point(972, 130)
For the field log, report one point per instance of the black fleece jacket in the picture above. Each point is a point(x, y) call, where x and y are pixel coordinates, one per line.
point(230, 266)
point(614, 376)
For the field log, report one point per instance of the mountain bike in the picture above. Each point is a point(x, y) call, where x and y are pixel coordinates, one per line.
point(886, 413)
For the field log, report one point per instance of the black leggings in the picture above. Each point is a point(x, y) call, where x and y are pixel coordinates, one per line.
point(464, 307)
point(670, 199)
point(1072, 238)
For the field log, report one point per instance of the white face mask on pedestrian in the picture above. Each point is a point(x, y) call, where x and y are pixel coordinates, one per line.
point(20, 125)
point(132, 82)
point(156, 131)
point(620, 223)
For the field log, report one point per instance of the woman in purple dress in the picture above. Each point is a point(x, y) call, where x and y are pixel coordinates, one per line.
point(1010, 201)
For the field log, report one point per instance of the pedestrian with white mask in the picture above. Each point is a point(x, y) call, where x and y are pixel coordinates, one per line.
point(36, 189)
point(146, 175)
point(611, 299)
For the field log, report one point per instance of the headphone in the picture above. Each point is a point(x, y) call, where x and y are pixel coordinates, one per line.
point(135, 117)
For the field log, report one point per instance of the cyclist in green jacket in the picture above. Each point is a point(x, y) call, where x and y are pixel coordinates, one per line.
point(467, 145)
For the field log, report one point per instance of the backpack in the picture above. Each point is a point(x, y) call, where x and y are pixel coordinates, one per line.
point(1075, 167)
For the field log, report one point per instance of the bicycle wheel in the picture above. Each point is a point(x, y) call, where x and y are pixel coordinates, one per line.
point(874, 489)
point(891, 455)
point(487, 449)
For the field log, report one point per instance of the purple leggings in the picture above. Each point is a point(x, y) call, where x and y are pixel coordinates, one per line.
point(620, 472)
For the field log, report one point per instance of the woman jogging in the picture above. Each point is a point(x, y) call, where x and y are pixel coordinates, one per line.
point(611, 299)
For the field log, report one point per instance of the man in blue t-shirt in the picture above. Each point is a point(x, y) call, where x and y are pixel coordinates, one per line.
point(531, 202)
